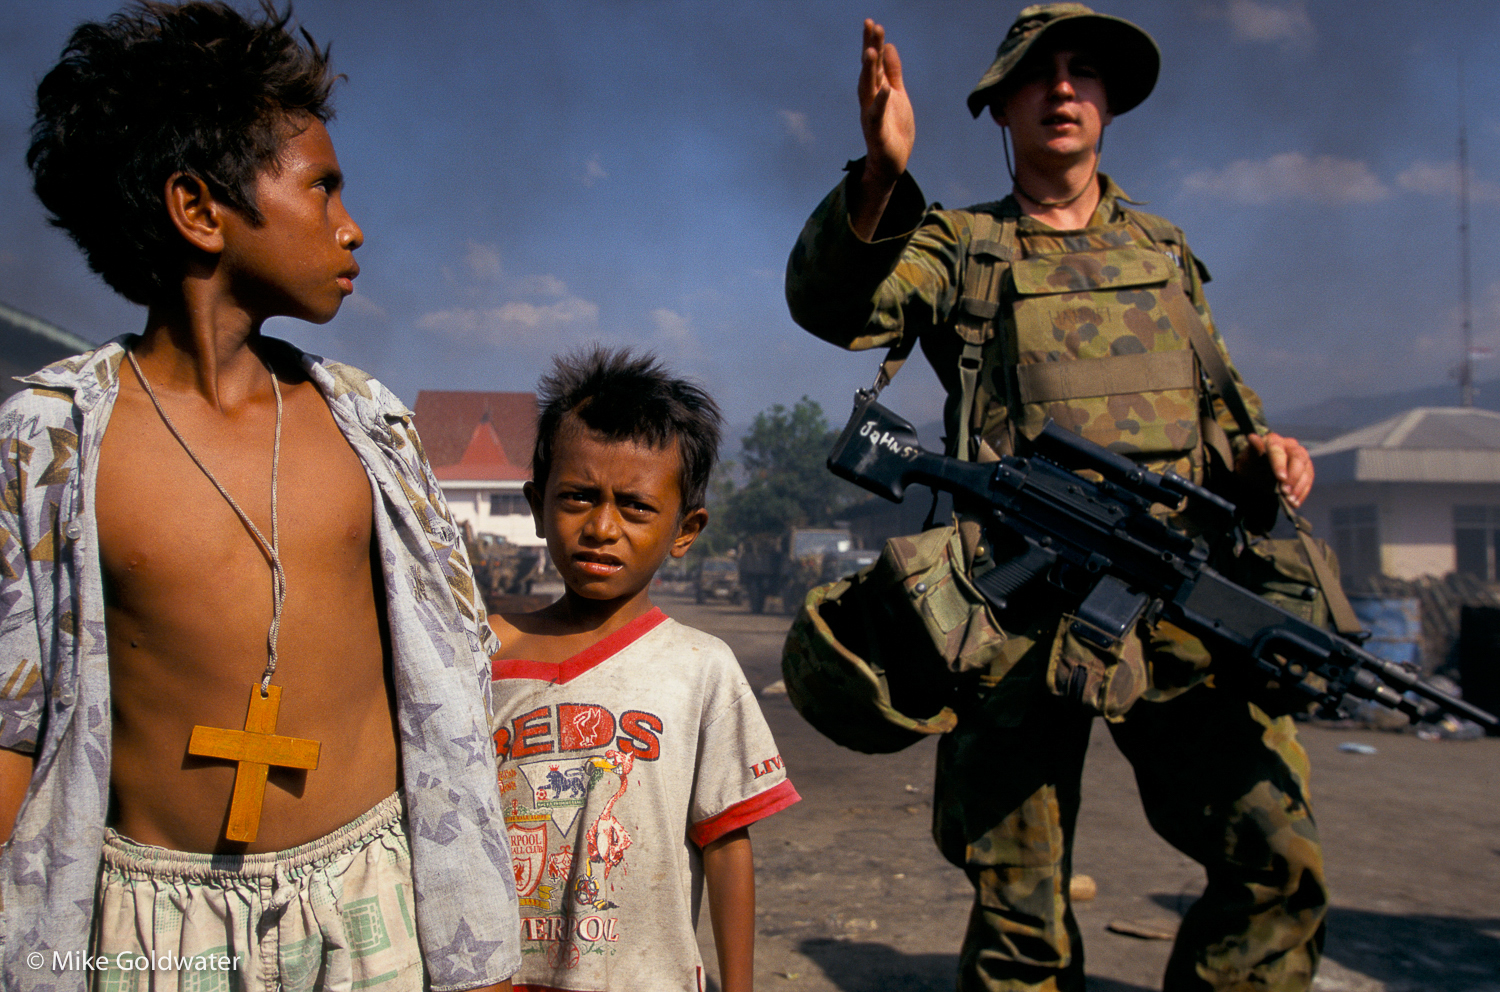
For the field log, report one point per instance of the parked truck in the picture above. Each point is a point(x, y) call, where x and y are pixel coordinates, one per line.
point(717, 578)
point(788, 565)
point(511, 578)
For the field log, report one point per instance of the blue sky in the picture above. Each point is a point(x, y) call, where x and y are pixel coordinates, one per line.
point(533, 176)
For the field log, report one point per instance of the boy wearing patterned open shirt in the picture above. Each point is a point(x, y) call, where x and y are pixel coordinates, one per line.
point(633, 755)
point(202, 530)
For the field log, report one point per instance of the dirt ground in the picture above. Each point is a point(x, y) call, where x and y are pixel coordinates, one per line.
point(852, 895)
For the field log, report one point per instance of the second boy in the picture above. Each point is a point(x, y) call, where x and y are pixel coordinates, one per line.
point(633, 753)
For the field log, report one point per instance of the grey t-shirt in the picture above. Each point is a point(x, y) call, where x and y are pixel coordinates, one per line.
point(616, 767)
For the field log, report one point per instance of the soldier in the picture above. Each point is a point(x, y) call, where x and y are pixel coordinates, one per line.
point(1059, 301)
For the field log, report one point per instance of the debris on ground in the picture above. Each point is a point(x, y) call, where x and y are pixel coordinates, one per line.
point(1082, 888)
point(1153, 930)
point(1354, 747)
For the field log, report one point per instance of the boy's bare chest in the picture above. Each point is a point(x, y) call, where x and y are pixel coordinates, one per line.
point(163, 524)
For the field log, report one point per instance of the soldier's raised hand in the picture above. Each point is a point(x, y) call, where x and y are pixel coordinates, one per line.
point(885, 112)
point(890, 130)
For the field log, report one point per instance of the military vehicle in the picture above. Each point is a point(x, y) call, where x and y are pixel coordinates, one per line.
point(717, 578)
point(787, 565)
point(510, 577)
point(838, 564)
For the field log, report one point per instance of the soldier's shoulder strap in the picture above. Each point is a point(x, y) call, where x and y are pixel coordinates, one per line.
point(992, 247)
point(1162, 232)
point(1158, 229)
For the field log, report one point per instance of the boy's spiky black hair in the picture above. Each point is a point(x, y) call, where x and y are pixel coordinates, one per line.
point(623, 396)
point(159, 89)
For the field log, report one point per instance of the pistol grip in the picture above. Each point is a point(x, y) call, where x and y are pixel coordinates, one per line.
point(1002, 581)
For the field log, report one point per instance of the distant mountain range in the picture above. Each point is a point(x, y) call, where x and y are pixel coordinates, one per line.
point(1330, 418)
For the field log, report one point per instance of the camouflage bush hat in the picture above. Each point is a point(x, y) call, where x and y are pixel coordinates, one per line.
point(1130, 56)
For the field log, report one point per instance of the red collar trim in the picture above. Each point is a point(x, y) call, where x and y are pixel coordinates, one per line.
point(590, 657)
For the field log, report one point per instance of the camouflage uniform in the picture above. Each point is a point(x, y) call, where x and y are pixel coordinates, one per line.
point(1221, 780)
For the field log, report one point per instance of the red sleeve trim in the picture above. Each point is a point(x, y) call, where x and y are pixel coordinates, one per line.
point(589, 657)
point(743, 813)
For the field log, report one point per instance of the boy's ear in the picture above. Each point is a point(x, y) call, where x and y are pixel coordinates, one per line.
point(688, 529)
point(534, 500)
point(196, 214)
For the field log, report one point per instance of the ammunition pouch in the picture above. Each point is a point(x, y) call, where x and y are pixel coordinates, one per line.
point(1106, 681)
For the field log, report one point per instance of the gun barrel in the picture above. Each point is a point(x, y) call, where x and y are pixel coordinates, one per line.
point(1397, 677)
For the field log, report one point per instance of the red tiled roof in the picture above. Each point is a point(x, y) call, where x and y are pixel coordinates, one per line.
point(483, 459)
point(448, 423)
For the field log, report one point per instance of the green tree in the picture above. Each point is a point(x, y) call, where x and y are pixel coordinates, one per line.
point(787, 479)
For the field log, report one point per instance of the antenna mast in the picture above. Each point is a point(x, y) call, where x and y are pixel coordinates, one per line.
point(1466, 369)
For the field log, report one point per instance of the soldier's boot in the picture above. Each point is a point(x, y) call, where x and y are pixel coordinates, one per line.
point(1276, 949)
point(1235, 802)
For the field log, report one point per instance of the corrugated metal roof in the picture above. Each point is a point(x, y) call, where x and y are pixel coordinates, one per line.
point(1427, 444)
point(1424, 428)
point(1380, 465)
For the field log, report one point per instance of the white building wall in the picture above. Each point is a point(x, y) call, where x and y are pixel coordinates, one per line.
point(1417, 529)
point(470, 503)
point(1415, 519)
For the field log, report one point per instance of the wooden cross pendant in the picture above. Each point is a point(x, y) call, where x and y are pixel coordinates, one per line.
point(256, 748)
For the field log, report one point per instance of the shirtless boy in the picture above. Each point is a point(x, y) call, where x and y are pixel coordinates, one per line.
point(204, 530)
point(633, 754)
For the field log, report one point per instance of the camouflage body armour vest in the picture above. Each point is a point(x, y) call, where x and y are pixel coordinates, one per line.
point(1086, 328)
point(1093, 329)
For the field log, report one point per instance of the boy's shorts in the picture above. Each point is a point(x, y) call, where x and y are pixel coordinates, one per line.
point(333, 913)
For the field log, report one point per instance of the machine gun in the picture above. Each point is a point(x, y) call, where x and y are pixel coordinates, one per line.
point(1100, 542)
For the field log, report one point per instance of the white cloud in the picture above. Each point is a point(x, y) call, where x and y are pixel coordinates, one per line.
point(1288, 25)
point(542, 285)
point(796, 126)
point(514, 322)
point(671, 327)
point(1291, 176)
point(482, 275)
point(362, 306)
point(1441, 179)
point(497, 308)
point(483, 263)
point(593, 170)
point(959, 193)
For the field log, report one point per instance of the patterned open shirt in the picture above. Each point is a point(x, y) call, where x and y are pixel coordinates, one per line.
point(54, 676)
